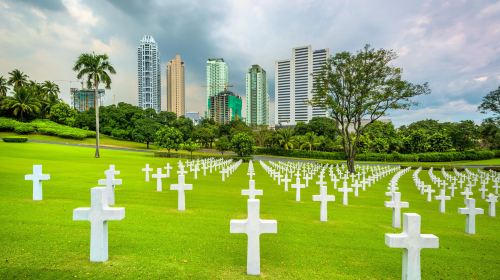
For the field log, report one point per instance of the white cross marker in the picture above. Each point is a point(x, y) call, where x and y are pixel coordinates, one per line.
point(110, 182)
point(471, 211)
point(492, 200)
point(467, 193)
point(158, 176)
point(253, 227)
point(346, 191)
point(297, 186)
point(411, 241)
point(443, 198)
point(98, 214)
point(483, 191)
point(429, 192)
point(251, 191)
point(286, 180)
point(167, 169)
point(396, 204)
point(356, 186)
point(323, 197)
point(37, 177)
point(452, 187)
point(180, 187)
point(147, 169)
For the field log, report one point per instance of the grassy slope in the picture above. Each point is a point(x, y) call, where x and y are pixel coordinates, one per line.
point(39, 239)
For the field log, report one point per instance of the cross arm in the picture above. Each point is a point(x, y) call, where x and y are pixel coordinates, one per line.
point(81, 214)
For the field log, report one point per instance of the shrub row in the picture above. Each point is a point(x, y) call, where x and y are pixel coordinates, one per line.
point(45, 127)
point(393, 157)
point(15, 139)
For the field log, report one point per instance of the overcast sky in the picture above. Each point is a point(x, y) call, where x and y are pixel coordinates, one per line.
point(454, 45)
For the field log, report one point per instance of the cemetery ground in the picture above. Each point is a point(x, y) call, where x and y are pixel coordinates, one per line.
point(39, 239)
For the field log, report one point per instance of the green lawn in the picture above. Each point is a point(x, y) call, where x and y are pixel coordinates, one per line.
point(155, 241)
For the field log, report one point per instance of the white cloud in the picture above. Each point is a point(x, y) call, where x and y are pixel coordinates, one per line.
point(481, 79)
point(81, 13)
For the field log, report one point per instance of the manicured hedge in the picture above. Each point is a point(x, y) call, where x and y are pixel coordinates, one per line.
point(15, 139)
point(393, 157)
point(45, 127)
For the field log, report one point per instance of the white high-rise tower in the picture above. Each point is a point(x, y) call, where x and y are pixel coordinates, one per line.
point(294, 85)
point(149, 74)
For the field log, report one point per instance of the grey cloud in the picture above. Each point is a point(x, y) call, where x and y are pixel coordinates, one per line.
point(53, 5)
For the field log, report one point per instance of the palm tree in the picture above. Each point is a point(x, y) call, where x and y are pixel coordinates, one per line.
point(96, 68)
point(23, 102)
point(4, 86)
point(286, 135)
point(309, 140)
point(17, 78)
point(52, 91)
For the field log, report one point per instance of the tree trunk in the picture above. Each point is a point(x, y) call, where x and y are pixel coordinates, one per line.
point(147, 144)
point(96, 106)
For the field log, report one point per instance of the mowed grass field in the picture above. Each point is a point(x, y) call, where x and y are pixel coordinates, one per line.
point(38, 239)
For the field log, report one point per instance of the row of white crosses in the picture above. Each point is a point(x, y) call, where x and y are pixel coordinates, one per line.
point(229, 169)
point(470, 209)
point(253, 226)
point(395, 203)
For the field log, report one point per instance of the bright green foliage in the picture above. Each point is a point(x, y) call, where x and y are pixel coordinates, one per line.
point(285, 136)
point(4, 86)
point(242, 144)
point(169, 138)
point(62, 113)
point(223, 144)
point(23, 104)
point(491, 103)
point(145, 131)
point(190, 146)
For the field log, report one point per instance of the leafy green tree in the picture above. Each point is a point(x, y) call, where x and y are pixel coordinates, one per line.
point(301, 128)
point(310, 140)
point(490, 133)
point(362, 86)
point(145, 131)
point(190, 146)
point(169, 138)
point(62, 113)
point(439, 142)
point(167, 118)
point(185, 125)
point(464, 135)
point(18, 78)
point(286, 138)
point(491, 103)
point(242, 144)
point(323, 126)
point(238, 126)
point(23, 104)
point(223, 144)
point(96, 67)
point(272, 140)
point(205, 134)
point(416, 141)
point(4, 86)
point(261, 134)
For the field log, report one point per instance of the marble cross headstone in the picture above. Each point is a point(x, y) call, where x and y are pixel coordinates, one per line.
point(396, 204)
point(110, 182)
point(251, 191)
point(98, 214)
point(158, 176)
point(180, 187)
point(286, 180)
point(411, 241)
point(167, 169)
point(346, 191)
point(323, 197)
point(492, 200)
point(147, 169)
point(471, 211)
point(253, 227)
point(467, 192)
point(297, 186)
point(442, 197)
point(37, 177)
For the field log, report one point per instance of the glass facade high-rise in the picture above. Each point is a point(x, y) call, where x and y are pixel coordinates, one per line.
point(294, 85)
point(176, 87)
point(83, 99)
point(149, 74)
point(217, 78)
point(257, 97)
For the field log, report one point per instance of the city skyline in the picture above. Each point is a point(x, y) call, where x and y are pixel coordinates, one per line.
point(148, 74)
point(437, 42)
point(176, 95)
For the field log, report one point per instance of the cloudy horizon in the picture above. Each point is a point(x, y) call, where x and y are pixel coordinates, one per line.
point(453, 45)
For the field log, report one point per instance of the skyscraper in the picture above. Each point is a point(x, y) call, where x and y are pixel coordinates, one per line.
point(149, 74)
point(294, 85)
point(176, 87)
point(225, 107)
point(217, 78)
point(257, 97)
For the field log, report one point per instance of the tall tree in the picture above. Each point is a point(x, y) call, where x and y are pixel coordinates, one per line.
point(23, 103)
point(358, 89)
point(4, 86)
point(96, 67)
point(491, 102)
point(18, 78)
